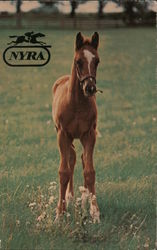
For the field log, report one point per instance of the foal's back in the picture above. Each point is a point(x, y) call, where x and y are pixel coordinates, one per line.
point(60, 98)
point(60, 82)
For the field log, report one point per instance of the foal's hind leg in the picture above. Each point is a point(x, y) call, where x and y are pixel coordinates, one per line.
point(83, 164)
point(64, 170)
point(72, 161)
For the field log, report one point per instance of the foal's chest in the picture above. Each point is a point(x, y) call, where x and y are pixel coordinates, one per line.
point(80, 123)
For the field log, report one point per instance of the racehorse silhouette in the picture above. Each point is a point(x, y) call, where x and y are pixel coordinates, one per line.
point(28, 37)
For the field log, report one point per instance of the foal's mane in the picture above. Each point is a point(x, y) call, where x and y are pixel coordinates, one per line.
point(87, 41)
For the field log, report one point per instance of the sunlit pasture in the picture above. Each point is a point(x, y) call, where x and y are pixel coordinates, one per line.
point(124, 154)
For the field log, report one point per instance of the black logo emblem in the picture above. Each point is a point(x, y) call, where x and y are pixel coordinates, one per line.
point(35, 53)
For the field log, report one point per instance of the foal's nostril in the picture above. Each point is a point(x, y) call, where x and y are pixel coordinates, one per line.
point(93, 89)
point(87, 89)
point(90, 89)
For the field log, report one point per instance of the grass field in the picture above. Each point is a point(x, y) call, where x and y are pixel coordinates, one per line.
point(124, 156)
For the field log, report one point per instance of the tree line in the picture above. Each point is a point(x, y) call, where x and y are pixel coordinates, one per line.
point(133, 9)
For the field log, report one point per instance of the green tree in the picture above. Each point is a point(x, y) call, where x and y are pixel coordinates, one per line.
point(18, 13)
point(101, 5)
point(74, 4)
point(18, 6)
point(133, 9)
point(48, 2)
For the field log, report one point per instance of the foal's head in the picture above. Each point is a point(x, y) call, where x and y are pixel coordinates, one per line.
point(86, 60)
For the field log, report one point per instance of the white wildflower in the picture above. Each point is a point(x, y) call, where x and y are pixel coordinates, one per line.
point(78, 201)
point(33, 204)
point(28, 223)
point(154, 119)
point(68, 215)
point(41, 217)
point(52, 188)
point(48, 122)
point(47, 105)
point(82, 189)
point(51, 199)
point(146, 245)
point(17, 222)
point(53, 183)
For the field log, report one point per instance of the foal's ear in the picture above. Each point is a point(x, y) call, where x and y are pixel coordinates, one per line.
point(79, 41)
point(95, 40)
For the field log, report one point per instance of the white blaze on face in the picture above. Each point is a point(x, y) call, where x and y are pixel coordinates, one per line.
point(89, 56)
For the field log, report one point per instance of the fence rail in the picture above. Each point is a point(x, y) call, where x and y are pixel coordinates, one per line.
point(63, 22)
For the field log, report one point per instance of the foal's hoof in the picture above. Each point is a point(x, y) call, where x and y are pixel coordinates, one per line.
point(58, 217)
point(94, 210)
point(85, 196)
point(60, 210)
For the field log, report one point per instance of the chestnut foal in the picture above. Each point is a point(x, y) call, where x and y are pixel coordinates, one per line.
point(75, 116)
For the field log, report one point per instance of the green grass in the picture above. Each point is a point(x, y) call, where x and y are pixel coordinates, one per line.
point(124, 156)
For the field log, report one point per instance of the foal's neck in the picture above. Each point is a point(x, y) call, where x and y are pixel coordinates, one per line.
point(76, 93)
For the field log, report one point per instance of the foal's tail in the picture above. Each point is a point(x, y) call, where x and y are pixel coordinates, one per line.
point(98, 134)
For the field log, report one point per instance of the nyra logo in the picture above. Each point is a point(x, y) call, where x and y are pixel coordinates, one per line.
point(27, 50)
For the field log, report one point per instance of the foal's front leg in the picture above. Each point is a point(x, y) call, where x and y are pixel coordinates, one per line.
point(70, 188)
point(88, 141)
point(64, 143)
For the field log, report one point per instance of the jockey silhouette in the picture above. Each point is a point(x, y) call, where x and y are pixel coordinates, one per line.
point(28, 37)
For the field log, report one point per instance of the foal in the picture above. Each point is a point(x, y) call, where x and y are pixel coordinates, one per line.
point(75, 117)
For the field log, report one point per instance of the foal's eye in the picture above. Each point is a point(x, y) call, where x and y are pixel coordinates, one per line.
point(97, 62)
point(79, 63)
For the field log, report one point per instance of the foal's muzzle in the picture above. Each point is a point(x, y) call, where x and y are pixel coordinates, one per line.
point(89, 89)
point(88, 85)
